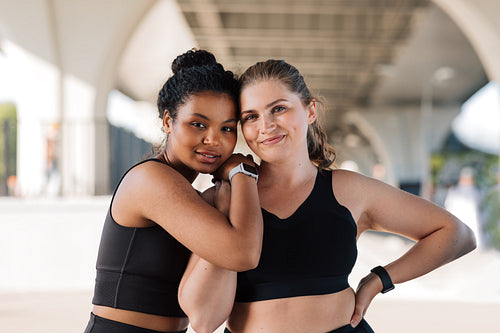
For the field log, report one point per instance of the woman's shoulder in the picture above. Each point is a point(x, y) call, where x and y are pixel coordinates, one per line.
point(153, 176)
point(153, 167)
point(143, 187)
point(143, 166)
point(341, 176)
point(353, 190)
point(357, 183)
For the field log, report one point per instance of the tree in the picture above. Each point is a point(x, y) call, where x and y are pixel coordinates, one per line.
point(8, 146)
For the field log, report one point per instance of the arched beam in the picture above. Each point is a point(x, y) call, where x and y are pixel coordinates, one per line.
point(479, 21)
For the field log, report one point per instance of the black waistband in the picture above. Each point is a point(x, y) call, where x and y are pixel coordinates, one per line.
point(363, 327)
point(284, 289)
point(137, 293)
point(99, 324)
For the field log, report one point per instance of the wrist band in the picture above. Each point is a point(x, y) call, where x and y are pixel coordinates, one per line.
point(244, 169)
point(384, 277)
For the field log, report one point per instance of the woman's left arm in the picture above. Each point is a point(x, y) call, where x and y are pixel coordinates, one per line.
point(206, 292)
point(440, 237)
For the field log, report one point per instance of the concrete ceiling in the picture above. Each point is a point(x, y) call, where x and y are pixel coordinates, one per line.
point(354, 53)
point(361, 55)
point(434, 49)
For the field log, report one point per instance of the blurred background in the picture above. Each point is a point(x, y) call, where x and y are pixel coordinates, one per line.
point(411, 94)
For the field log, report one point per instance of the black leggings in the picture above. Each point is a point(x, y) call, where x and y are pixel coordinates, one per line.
point(102, 325)
point(363, 327)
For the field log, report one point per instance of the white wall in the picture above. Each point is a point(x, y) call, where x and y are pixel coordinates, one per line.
point(50, 244)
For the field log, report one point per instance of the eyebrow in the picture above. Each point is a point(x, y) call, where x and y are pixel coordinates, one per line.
point(200, 115)
point(268, 105)
point(206, 118)
point(276, 101)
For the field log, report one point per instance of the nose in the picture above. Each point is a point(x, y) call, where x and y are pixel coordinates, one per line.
point(267, 124)
point(212, 138)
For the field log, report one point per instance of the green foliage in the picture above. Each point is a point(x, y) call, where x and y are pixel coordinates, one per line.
point(8, 144)
point(490, 208)
point(446, 166)
point(8, 111)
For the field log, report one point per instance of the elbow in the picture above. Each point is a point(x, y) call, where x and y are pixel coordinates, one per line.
point(245, 256)
point(465, 240)
point(251, 257)
point(200, 325)
point(198, 321)
point(247, 259)
point(470, 240)
point(248, 263)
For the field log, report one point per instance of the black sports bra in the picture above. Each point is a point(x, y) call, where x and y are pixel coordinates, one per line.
point(139, 269)
point(311, 252)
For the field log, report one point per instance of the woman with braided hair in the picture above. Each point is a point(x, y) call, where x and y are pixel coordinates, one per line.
point(156, 218)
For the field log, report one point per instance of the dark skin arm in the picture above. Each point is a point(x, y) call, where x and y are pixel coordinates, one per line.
point(155, 192)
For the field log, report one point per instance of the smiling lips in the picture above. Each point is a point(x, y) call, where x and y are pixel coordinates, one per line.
point(208, 157)
point(272, 140)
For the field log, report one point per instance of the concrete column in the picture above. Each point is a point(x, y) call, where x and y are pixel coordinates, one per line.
point(33, 78)
point(77, 138)
point(90, 51)
point(376, 140)
point(402, 157)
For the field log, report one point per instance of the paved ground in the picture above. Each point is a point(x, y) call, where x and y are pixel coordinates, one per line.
point(47, 260)
point(462, 297)
point(66, 312)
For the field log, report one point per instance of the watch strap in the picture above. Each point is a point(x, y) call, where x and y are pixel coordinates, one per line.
point(240, 168)
point(384, 277)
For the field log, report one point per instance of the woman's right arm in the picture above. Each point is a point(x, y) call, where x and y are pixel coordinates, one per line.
point(168, 199)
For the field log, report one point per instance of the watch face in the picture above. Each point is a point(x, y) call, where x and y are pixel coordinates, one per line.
point(249, 168)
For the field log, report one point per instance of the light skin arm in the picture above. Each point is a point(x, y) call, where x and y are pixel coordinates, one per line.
point(206, 292)
point(153, 192)
point(440, 237)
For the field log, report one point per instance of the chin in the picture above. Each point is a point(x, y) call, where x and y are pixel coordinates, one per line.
point(207, 168)
point(272, 158)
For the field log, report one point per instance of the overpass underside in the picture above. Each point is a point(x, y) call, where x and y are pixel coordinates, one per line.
point(375, 63)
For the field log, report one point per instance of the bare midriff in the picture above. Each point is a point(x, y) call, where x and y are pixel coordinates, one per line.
point(144, 320)
point(319, 313)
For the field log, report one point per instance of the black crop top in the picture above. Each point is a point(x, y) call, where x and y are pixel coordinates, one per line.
point(311, 252)
point(139, 269)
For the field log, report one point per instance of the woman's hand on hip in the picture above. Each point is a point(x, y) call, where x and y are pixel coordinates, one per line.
point(367, 289)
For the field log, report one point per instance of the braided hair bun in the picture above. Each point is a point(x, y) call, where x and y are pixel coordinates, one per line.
point(193, 58)
point(195, 71)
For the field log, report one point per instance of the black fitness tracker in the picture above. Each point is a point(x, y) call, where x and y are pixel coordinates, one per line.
point(384, 276)
point(245, 169)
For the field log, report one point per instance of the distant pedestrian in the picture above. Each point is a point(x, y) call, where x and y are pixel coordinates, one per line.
point(463, 200)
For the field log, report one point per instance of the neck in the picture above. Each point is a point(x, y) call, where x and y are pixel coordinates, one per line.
point(185, 171)
point(289, 172)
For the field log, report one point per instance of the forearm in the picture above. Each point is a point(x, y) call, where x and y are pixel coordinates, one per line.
point(206, 294)
point(440, 237)
point(436, 249)
point(246, 217)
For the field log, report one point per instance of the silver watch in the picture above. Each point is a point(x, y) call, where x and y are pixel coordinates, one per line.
point(245, 169)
